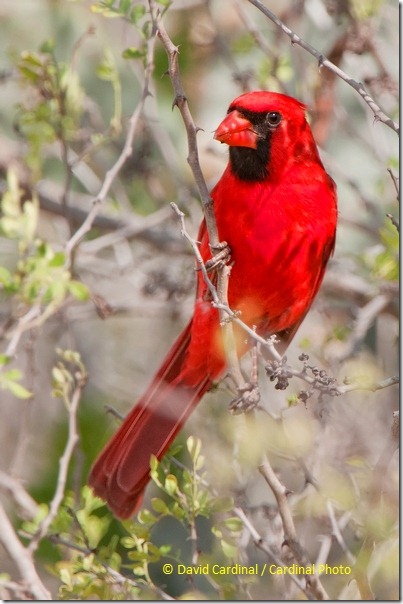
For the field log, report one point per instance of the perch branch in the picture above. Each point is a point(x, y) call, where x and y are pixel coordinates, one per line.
point(180, 101)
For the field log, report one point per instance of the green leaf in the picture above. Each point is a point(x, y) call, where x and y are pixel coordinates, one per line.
point(137, 12)
point(13, 375)
point(133, 53)
point(222, 504)
point(19, 390)
point(79, 290)
point(153, 463)
point(58, 259)
point(124, 6)
point(146, 517)
point(194, 447)
point(106, 11)
point(171, 484)
point(159, 505)
point(58, 376)
point(48, 46)
point(6, 278)
point(229, 549)
point(234, 524)
point(4, 359)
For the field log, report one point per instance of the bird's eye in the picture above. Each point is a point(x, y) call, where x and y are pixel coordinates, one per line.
point(273, 118)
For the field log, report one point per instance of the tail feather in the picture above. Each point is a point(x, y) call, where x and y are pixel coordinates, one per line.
point(121, 472)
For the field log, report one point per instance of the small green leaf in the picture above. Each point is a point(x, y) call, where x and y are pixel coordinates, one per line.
point(137, 12)
point(229, 549)
point(19, 390)
point(124, 6)
point(13, 375)
point(48, 46)
point(78, 290)
point(58, 259)
point(154, 463)
point(171, 484)
point(222, 504)
point(159, 505)
point(193, 446)
point(133, 53)
point(58, 375)
point(5, 276)
point(4, 359)
point(146, 517)
point(106, 11)
point(234, 524)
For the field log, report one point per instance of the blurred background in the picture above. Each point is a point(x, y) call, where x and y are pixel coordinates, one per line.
point(71, 75)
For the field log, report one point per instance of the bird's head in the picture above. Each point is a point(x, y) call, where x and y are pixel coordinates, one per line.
point(262, 128)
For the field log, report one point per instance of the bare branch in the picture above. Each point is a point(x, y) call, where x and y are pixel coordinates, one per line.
point(22, 558)
point(372, 387)
point(264, 547)
point(376, 490)
point(365, 317)
point(21, 497)
point(191, 130)
point(336, 532)
point(290, 533)
point(324, 62)
point(64, 461)
point(395, 180)
point(125, 154)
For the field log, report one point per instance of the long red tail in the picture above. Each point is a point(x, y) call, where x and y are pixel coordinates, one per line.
point(121, 472)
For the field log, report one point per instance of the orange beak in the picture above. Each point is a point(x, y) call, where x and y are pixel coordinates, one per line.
point(236, 131)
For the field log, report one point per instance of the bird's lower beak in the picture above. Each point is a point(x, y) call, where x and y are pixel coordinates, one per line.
point(235, 130)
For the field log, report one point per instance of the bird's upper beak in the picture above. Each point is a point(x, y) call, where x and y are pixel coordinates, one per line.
point(235, 130)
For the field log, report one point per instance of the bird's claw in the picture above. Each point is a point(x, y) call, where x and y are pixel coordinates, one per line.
point(221, 256)
point(246, 401)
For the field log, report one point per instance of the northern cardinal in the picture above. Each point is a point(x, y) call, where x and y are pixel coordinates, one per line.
point(276, 208)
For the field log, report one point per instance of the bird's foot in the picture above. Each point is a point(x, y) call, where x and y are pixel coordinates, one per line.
point(247, 400)
point(221, 256)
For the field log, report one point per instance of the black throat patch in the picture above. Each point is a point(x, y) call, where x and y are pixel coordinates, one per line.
point(252, 164)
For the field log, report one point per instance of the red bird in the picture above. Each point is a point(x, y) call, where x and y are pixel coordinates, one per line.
point(276, 208)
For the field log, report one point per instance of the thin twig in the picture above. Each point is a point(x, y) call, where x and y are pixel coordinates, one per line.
point(336, 532)
point(394, 221)
point(324, 62)
point(21, 497)
point(64, 463)
point(22, 558)
point(371, 387)
point(280, 493)
point(395, 180)
point(127, 150)
point(180, 101)
point(366, 315)
point(265, 548)
point(23, 325)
